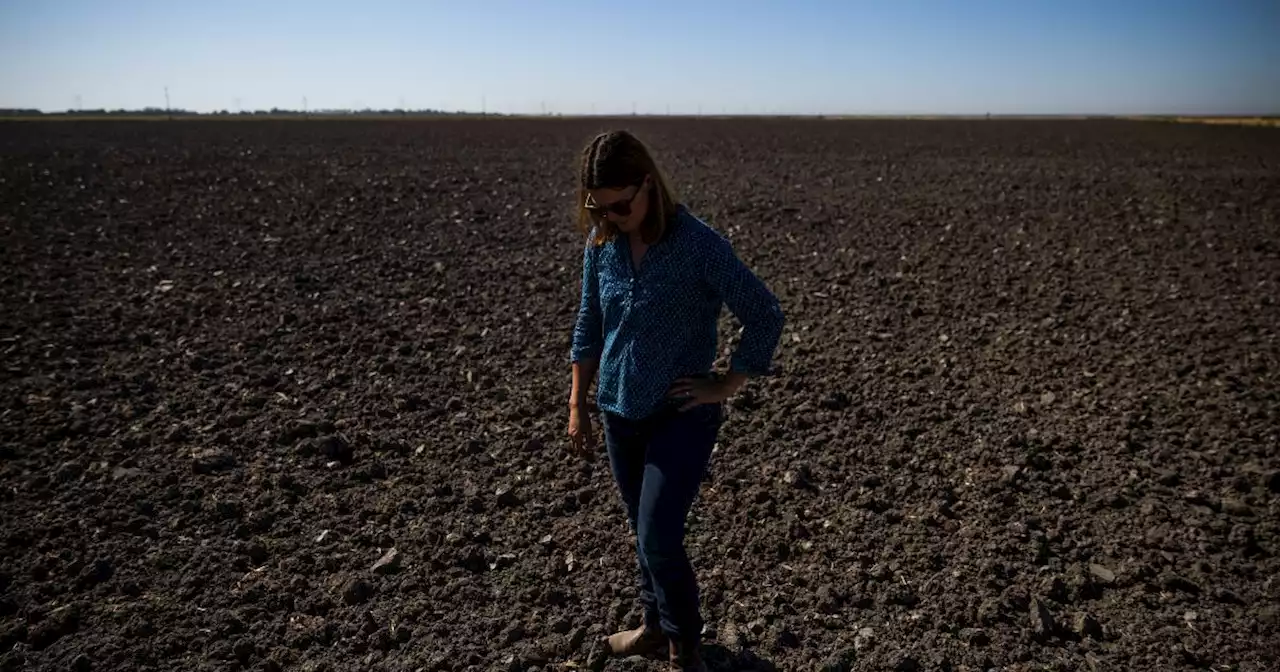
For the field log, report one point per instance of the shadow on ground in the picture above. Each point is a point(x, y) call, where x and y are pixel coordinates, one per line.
point(721, 659)
point(718, 658)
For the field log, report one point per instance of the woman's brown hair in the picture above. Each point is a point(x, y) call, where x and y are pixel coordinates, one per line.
point(617, 160)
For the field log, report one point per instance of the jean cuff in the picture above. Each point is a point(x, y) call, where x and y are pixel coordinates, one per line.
point(651, 618)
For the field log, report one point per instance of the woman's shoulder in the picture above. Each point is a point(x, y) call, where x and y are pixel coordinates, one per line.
point(696, 230)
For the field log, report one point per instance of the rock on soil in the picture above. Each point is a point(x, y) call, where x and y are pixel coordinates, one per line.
point(357, 591)
point(389, 563)
point(210, 461)
point(1102, 574)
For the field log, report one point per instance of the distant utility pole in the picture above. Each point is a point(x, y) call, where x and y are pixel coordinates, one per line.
point(593, 109)
point(78, 102)
point(633, 108)
point(167, 110)
point(304, 106)
point(484, 105)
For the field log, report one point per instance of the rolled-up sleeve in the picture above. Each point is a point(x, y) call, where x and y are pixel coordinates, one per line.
point(750, 301)
point(588, 336)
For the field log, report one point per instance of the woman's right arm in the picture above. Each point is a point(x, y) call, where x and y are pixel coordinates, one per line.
point(588, 332)
point(584, 371)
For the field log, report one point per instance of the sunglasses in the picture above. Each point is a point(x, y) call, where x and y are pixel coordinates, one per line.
point(621, 208)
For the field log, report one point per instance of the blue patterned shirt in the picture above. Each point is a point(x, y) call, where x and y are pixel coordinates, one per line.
point(649, 327)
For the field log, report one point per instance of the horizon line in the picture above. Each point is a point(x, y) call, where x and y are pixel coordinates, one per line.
point(91, 113)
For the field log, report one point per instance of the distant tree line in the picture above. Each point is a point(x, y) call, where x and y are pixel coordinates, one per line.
point(273, 112)
point(99, 112)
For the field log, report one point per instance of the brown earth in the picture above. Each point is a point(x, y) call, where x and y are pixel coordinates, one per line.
point(1026, 417)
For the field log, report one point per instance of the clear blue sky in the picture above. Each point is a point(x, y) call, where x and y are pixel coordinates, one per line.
point(841, 56)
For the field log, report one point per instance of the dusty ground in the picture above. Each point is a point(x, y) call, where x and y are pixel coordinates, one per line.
point(1026, 417)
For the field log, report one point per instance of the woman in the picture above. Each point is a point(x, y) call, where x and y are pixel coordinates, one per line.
point(654, 280)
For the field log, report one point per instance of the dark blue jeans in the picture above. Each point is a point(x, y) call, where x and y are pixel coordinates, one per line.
point(659, 464)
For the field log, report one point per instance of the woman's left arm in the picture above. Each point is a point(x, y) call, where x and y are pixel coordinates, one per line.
point(751, 302)
point(755, 307)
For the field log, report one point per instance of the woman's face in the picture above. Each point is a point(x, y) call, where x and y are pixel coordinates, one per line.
point(625, 208)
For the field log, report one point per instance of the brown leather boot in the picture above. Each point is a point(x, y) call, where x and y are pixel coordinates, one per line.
point(686, 658)
point(642, 641)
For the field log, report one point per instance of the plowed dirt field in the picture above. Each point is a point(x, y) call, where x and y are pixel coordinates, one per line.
point(1026, 412)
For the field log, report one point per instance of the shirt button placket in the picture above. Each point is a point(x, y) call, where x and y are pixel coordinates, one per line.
point(631, 295)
